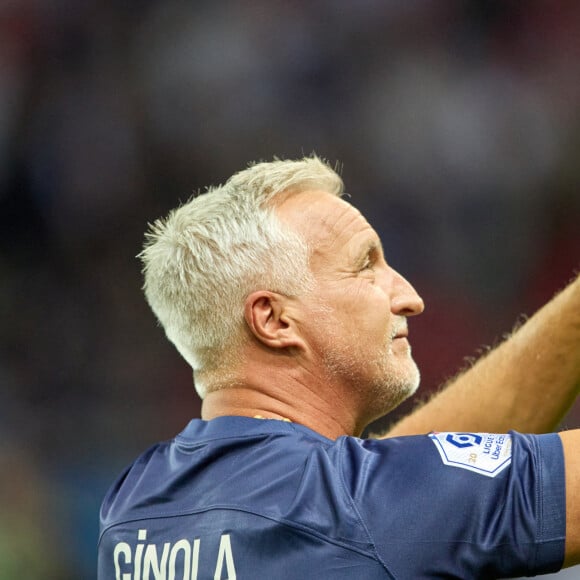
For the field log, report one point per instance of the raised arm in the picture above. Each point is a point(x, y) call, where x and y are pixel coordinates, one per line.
point(527, 383)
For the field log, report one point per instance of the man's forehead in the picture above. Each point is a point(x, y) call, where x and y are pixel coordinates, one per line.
point(318, 214)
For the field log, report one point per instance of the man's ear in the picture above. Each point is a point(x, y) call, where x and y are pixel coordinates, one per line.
point(267, 316)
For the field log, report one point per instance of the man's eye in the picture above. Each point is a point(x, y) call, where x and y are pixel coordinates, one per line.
point(368, 265)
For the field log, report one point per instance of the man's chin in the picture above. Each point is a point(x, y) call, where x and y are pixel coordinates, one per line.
point(414, 381)
point(406, 391)
point(399, 388)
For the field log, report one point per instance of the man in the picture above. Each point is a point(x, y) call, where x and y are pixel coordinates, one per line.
point(278, 294)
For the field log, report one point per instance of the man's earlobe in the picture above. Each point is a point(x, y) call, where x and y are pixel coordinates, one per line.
point(266, 317)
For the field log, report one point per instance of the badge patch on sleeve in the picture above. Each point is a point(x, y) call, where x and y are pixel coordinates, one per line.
point(484, 453)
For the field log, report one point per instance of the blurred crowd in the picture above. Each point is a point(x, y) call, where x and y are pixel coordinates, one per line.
point(456, 125)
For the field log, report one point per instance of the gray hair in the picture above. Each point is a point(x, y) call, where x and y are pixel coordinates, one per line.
point(207, 256)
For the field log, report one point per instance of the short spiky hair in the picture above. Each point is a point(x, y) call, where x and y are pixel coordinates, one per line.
point(207, 256)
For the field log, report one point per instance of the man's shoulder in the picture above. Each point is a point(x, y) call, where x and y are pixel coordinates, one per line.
point(214, 463)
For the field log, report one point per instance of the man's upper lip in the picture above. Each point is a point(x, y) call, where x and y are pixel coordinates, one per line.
point(402, 334)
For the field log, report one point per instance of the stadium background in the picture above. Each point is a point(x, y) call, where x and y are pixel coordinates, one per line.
point(457, 124)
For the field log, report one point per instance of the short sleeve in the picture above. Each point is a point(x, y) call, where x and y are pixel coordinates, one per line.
point(429, 514)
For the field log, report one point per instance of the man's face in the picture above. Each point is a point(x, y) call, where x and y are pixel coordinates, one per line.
point(356, 316)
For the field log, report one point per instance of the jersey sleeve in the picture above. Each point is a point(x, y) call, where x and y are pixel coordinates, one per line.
point(460, 505)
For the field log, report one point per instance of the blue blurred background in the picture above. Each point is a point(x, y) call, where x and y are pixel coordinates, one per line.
point(457, 125)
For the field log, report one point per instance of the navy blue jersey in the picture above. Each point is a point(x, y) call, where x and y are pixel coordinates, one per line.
point(249, 499)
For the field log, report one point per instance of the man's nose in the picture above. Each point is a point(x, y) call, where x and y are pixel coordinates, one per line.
point(404, 299)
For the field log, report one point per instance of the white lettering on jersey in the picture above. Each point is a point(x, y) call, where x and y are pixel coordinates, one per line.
point(151, 563)
point(225, 553)
point(123, 549)
point(156, 562)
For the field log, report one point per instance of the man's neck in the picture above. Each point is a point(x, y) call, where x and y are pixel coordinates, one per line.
point(321, 414)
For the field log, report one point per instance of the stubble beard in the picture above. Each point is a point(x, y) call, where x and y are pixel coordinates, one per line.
point(396, 378)
point(384, 379)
